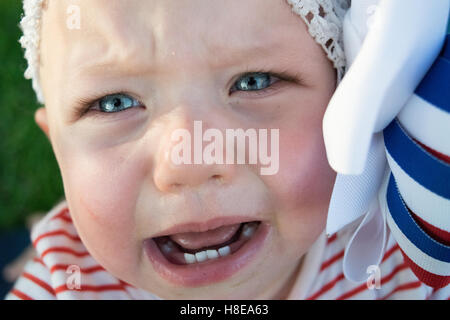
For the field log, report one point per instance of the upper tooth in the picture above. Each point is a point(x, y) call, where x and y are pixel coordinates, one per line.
point(206, 255)
point(201, 256)
point(212, 254)
point(224, 251)
point(190, 258)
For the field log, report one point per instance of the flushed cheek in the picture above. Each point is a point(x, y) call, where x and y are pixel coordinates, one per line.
point(303, 185)
point(102, 192)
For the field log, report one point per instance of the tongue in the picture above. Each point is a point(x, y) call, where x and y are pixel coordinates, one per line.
point(197, 240)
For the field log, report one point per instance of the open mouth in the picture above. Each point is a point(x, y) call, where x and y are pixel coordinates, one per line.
point(214, 244)
point(199, 258)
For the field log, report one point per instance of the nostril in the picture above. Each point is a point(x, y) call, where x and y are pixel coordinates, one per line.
point(176, 185)
point(217, 177)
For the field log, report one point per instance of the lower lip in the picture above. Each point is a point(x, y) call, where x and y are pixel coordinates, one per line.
point(211, 271)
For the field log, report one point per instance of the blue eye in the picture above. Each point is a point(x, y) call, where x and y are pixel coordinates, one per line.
point(254, 81)
point(116, 103)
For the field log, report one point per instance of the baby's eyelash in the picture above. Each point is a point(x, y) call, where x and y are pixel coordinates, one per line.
point(284, 74)
point(83, 105)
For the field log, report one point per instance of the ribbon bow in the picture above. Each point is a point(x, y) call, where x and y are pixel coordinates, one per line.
point(394, 73)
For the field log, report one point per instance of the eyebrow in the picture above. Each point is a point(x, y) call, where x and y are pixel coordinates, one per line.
point(222, 57)
point(266, 48)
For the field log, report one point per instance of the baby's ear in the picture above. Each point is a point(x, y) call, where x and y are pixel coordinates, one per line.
point(40, 116)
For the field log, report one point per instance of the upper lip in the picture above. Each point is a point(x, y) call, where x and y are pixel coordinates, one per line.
point(202, 226)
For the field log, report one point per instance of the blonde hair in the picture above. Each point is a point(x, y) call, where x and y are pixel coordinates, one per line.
point(323, 18)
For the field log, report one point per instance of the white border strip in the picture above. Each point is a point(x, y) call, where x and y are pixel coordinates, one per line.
point(426, 123)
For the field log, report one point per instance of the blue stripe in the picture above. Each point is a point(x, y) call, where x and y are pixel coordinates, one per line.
point(446, 50)
point(406, 223)
point(429, 171)
point(435, 86)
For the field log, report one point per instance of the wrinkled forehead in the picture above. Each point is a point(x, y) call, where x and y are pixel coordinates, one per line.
point(160, 25)
point(81, 34)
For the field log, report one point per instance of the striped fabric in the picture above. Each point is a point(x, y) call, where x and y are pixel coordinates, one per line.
point(48, 275)
point(58, 247)
point(418, 190)
point(396, 282)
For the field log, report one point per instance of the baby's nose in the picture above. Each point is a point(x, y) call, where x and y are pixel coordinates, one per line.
point(169, 177)
point(187, 160)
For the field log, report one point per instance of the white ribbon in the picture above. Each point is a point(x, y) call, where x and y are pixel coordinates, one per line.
point(404, 40)
point(434, 124)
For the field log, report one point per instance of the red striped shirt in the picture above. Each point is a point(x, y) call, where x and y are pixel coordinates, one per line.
point(47, 275)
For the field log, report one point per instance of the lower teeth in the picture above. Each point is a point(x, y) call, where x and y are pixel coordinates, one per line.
point(209, 254)
point(248, 229)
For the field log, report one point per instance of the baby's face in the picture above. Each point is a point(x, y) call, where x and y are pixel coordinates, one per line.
point(175, 62)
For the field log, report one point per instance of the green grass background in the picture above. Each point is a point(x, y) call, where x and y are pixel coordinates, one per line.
point(29, 176)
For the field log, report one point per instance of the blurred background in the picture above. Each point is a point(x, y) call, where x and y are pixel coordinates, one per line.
point(29, 175)
point(30, 181)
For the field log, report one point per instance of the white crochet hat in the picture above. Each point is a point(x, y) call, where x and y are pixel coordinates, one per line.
point(323, 18)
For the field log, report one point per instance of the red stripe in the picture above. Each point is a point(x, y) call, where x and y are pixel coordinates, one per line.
point(39, 282)
point(441, 236)
point(126, 284)
point(430, 279)
point(35, 259)
point(436, 292)
point(435, 153)
point(396, 270)
point(64, 218)
point(332, 239)
point(431, 293)
point(63, 215)
point(363, 287)
point(352, 292)
point(82, 270)
point(326, 287)
point(64, 250)
point(332, 260)
point(403, 287)
point(390, 252)
point(20, 294)
point(331, 284)
point(56, 233)
point(107, 287)
point(437, 234)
